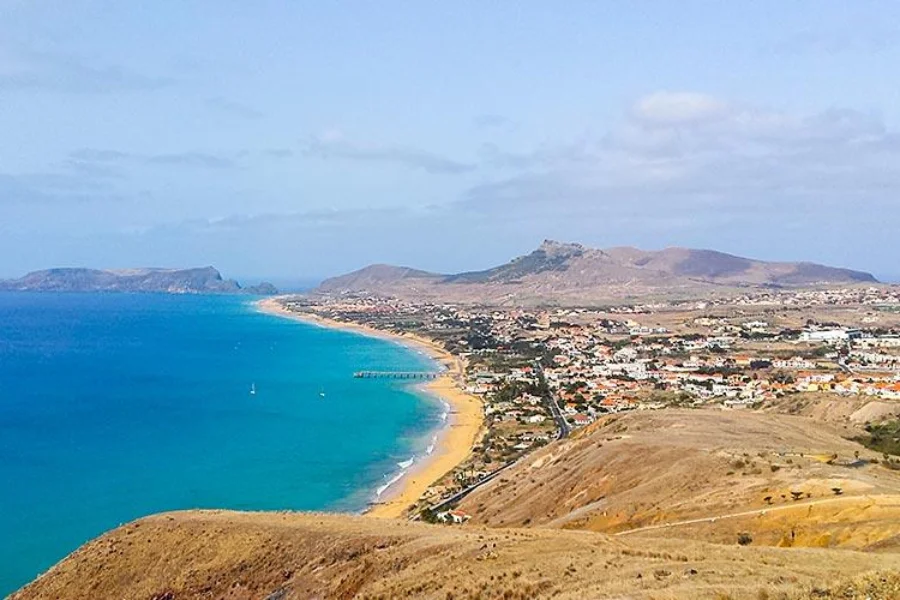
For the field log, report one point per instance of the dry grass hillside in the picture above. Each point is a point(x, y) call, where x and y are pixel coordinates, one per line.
point(783, 480)
point(279, 556)
point(850, 414)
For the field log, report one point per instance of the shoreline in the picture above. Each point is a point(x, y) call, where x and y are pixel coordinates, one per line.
point(453, 440)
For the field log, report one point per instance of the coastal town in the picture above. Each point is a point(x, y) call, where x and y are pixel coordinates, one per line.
point(449, 301)
point(542, 373)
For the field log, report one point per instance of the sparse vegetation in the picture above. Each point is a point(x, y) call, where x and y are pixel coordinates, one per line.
point(883, 437)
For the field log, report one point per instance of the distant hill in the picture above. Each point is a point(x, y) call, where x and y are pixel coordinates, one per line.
point(571, 273)
point(203, 280)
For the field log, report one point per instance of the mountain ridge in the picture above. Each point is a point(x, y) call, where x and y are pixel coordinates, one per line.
point(562, 272)
point(198, 280)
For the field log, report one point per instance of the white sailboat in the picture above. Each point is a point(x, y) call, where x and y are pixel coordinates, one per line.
point(253, 389)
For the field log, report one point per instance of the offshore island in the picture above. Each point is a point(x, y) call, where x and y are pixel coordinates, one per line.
point(624, 424)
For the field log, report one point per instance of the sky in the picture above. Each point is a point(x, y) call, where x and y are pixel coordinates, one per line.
point(297, 140)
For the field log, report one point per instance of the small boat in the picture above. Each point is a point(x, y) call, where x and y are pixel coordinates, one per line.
point(252, 389)
point(321, 394)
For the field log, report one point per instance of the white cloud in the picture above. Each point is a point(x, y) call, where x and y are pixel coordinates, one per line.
point(713, 173)
point(23, 69)
point(679, 108)
point(870, 41)
point(712, 160)
point(492, 121)
point(205, 160)
point(333, 144)
point(233, 108)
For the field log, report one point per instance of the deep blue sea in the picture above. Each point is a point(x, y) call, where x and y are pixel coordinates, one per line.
point(116, 406)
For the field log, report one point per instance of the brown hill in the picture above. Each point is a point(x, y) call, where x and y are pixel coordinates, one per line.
point(850, 414)
point(279, 556)
point(703, 474)
point(574, 274)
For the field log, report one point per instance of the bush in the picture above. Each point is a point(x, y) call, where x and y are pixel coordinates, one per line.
point(429, 516)
point(744, 539)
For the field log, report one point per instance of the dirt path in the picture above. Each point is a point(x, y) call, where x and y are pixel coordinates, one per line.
point(747, 513)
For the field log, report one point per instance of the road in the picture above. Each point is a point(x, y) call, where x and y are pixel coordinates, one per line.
point(564, 430)
point(843, 366)
point(561, 423)
point(444, 504)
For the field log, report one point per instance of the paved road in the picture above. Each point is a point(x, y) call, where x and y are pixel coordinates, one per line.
point(564, 430)
point(748, 513)
point(561, 423)
point(465, 492)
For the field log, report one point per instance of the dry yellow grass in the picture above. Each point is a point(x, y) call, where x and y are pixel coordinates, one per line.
point(654, 468)
point(848, 413)
point(277, 556)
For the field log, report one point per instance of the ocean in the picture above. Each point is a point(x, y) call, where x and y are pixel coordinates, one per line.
point(115, 406)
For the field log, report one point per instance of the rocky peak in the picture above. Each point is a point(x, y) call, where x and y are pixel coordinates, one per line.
point(554, 249)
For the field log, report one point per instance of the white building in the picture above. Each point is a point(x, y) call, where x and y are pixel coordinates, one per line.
point(885, 341)
point(796, 362)
point(829, 336)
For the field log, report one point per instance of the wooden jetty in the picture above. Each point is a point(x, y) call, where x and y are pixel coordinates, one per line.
point(396, 375)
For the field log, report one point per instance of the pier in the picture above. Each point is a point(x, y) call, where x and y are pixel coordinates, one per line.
point(396, 375)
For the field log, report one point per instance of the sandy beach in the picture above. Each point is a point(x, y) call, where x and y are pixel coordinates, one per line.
point(454, 442)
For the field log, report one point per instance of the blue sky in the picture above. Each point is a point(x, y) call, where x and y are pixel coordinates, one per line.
point(302, 139)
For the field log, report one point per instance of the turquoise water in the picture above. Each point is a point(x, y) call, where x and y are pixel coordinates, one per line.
point(117, 406)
